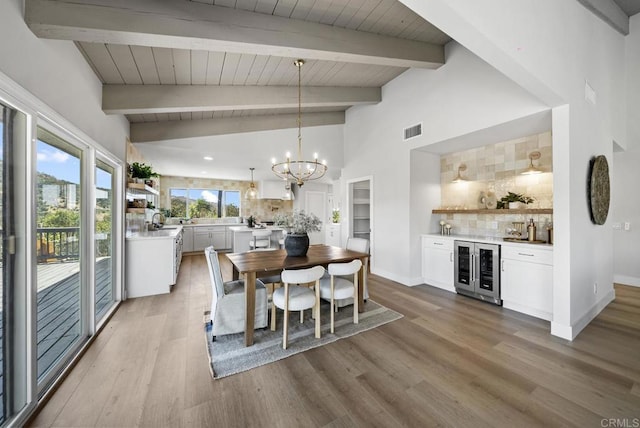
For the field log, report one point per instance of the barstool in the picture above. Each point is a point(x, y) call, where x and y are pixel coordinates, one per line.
point(261, 239)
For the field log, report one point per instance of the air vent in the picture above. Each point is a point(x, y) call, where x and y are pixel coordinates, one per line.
point(412, 131)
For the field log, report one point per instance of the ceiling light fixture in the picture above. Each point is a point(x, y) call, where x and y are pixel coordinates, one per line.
point(299, 170)
point(459, 178)
point(532, 169)
point(209, 158)
point(252, 191)
point(288, 193)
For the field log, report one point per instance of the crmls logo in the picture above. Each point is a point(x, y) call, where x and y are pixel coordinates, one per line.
point(620, 423)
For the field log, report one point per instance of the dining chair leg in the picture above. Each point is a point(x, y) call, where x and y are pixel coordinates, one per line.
point(332, 305)
point(285, 326)
point(317, 309)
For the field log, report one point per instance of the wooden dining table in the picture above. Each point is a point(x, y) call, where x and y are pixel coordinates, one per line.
point(256, 264)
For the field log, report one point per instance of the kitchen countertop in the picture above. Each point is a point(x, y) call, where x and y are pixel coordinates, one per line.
point(490, 240)
point(164, 233)
point(251, 229)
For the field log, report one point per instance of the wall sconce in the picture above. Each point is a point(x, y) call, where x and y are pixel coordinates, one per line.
point(532, 169)
point(459, 178)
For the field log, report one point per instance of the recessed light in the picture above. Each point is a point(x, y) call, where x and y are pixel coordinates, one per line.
point(203, 172)
point(209, 158)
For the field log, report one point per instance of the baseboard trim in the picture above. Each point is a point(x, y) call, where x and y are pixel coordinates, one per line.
point(404, 280)
point(627, 280)
point(571, 332)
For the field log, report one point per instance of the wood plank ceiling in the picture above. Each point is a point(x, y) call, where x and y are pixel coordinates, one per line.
point(239, 53)
point(126, 64)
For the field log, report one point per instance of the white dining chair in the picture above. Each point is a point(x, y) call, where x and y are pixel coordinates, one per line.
point(260, 239)
point(360, 245)
point(297, 298)
point(337, 287)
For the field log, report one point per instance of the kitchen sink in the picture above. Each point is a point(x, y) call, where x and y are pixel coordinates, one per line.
point(523, 240)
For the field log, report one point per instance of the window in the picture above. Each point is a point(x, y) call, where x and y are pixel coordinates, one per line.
point(204, 203)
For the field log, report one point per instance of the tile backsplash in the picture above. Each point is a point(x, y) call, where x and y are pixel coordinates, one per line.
point(496, 169)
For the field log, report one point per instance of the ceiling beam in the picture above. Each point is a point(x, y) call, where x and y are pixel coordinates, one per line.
point(609, 12)
point(141, 99)
point(180, 129)
point(192, 25)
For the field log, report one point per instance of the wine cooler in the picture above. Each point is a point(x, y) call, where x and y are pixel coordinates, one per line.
point(477, 272)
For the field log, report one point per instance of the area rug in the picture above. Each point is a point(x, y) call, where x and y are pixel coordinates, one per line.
point(228, 355)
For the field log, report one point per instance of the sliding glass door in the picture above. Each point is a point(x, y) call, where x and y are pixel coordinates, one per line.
point(61, 289)
point(13, 290)
point(105, 293)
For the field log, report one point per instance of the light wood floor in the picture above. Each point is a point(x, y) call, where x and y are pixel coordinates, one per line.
point(451, 361)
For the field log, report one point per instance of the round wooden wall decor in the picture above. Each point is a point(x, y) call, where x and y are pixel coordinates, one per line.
point(599, 191)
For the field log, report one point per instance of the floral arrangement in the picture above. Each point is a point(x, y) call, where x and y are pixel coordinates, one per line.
point(298, 222)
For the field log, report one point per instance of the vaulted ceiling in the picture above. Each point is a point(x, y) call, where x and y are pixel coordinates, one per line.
point(183, 70)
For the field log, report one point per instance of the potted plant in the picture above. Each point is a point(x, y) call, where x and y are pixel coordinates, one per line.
point(141, 172)
point(513, 200)
point(335, 215)
point(298, 225)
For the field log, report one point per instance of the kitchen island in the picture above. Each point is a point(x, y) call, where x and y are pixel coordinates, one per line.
point(152, 261)
point(242, 236)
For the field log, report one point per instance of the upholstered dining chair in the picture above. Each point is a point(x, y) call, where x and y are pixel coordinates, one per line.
point(260, 239)
point(360, 245)
point(297, 298)
point(227, 301)
point(337, 287)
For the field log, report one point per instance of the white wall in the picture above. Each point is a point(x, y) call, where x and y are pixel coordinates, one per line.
point(632, 90)
point(450, 101)
point(626, 208)
point(626, 174)
point(57, 74)
point(425, 195)
point(551, 48)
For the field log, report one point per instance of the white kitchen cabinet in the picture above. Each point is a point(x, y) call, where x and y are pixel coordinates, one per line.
point(527, 281)
point(152, 262)
point(187, 239)
point(205, 236)
point(332, 234)
point(437, 262)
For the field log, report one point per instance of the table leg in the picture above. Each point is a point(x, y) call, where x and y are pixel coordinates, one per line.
point(235, 275)
point(362, 278)
point(250, 307)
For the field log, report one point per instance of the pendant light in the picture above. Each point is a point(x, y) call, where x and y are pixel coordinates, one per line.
point(288, 193)
point(252, 191)
point(299, 170)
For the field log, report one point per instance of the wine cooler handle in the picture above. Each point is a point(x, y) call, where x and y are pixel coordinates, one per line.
point(473, 267)
point(502, 261)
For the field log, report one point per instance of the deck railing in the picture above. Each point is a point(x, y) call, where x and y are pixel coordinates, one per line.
point(57, 243)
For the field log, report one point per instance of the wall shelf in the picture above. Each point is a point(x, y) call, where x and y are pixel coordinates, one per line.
point(141, 189)
point(496, 212)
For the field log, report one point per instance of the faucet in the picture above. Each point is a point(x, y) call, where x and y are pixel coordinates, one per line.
point(160, 223)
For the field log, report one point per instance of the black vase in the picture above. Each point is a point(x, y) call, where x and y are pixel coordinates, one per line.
point(296, 244)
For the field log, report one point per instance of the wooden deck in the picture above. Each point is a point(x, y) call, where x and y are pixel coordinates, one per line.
point(58, 317)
